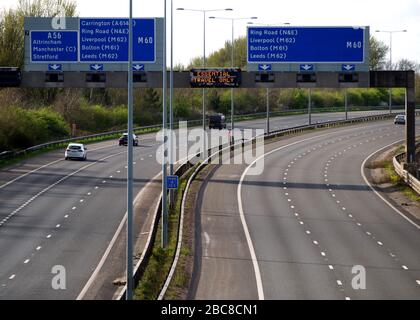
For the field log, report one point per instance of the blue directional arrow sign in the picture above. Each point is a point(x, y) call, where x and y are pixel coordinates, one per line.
point(106, 40)
point(306, 67)
point(306, 44)
point(348, 67)
point(96, 67)
point(138, 67)
point(55, 67)
point(264, 67)
point(54, 46)
point(172, 182)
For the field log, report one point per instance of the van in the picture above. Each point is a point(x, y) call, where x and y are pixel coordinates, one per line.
point(217, 121)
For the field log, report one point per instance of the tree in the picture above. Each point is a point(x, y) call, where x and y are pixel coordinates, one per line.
point(12, 25)
point(147, 107)
point(378, 52)
point(406, 64)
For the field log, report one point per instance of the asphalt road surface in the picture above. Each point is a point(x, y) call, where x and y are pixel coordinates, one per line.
point(308, 227)
point(65, 213)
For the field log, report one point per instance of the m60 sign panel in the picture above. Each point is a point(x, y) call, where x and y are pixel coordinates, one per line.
point(216, 78)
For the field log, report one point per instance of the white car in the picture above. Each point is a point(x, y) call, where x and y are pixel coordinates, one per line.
point(76, 151)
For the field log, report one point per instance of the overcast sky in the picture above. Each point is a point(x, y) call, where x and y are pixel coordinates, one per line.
point(188, 26)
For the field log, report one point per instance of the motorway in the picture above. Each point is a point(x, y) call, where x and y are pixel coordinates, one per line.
point(55, 212)
point(297, 230)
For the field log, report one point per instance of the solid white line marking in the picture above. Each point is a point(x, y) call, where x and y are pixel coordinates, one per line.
point(348, 298)
point(248, 238)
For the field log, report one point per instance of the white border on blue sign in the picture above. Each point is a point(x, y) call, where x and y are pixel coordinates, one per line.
point(51, 62)
point(119, 62)
point(309, 62)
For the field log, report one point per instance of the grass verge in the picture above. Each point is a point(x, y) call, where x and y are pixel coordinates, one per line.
point(161, 259)
point(385, 163)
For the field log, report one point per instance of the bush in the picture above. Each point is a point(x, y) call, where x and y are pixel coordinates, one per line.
point(97, 118)
point(22, 128)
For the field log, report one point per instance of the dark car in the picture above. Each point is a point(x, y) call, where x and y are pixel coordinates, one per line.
point(217, 121)
point(399, 119)
point(123, 140)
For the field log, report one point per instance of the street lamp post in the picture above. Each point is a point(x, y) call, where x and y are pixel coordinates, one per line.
point(390, 60)
point(129, 281)
point(232, 105)
point(164, 236)
point(204, 12)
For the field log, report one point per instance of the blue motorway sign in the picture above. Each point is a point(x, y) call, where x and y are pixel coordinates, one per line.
point(306, 67)
point(264, 67)
point(306, 44)
point(106, 40)
point(54, 46)
point(348, 67)
point(96, 67)
point(55, 67)
point(172, 182)
point(138, 67)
